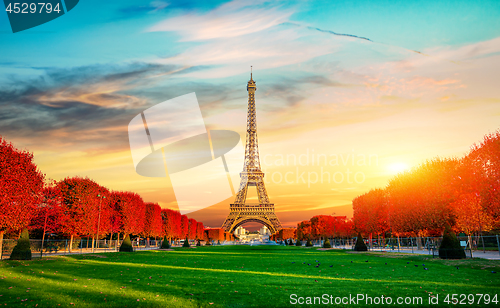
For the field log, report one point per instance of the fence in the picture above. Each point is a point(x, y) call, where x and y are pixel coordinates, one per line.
point(423, 245)
point(61, 247)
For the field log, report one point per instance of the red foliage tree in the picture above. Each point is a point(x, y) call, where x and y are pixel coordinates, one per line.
point(370, 212)
point(214, 234)
point(192, 228)
point(132, 212)
point(153, 225)
point(484, 170)
point(199, 230)
point(304, 230)
point(171, 223)
point(48, 214)
point(21, 187)
point(419, 200)
point(184, 226)
point(338, 226)
point(319, 226)
point(85, 208)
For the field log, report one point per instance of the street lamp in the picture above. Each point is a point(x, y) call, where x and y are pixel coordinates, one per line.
point(44, 229)
point(99, 219)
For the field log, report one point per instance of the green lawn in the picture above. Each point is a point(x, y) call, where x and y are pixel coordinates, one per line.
point(238, 276)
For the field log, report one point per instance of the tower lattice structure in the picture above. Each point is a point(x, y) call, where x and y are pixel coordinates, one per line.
point(252, 175)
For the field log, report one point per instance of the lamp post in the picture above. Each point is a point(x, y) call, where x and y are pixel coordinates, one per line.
point(99, 219)
point(44, 228)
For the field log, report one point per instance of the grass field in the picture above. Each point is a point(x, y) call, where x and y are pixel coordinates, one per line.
point(239, 276)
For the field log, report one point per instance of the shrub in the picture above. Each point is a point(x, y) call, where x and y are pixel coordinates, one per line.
point(309, 243)
point(198, 243)
point(327, 244)
point(22, 250)
point(360, 244)
point(290, 243)
point(126, 245)
point(218, 242)
point(298, 243)
point(165, 244)
point(186, 243)
point(450, 246)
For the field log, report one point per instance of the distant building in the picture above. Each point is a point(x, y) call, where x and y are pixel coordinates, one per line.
point(264, 231)
point(245, 236)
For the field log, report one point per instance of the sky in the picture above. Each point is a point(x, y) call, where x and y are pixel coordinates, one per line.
point(348, 92)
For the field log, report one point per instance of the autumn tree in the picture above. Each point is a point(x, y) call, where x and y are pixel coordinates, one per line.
point(21, 187)
point(171, 223)
point(48, 214)
point(132, 211)
point(319, 226)
point(370, 212)
point(184, 226)
point(199, 230)
point(192, 228)
point(419, 200)
point(484, 162)
point(85, 208)
point(304, 230)
point(471, 217)
point(153, 222)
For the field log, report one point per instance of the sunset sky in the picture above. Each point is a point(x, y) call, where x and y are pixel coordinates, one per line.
point(349, 92)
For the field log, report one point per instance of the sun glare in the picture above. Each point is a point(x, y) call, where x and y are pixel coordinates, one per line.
point(398, 167)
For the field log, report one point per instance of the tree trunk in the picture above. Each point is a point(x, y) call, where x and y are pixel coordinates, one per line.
point(419, 243)
point(70, 243)
point(1, 244)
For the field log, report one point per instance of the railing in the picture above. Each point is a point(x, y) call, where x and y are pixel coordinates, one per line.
point(251, 205)
point(473, 245)
point(79, 246)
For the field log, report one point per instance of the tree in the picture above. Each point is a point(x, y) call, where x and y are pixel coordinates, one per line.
point(484, 162)
point(199, 230)
point(192, 228)
point(153, 225)
point(171, 223)
point(165, 244)
point(304, 230)
point(360, 244)
point(21, 186)
point(132, 211)
point(48, 213)
point(126, 245)
point(319, 226)
point(327, 244)
point(84, 207)
point(419, 200)
point(450, 246)
point(22, 250)
point(471, 217)
point(370, 212)
point(184, 226)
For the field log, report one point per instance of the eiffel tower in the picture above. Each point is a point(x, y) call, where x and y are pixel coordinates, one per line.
point(240, 211)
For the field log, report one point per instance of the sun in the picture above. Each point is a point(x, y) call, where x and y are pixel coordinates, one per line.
point(398, 167)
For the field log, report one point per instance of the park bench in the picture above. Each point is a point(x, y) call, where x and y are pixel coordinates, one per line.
point(52, 248)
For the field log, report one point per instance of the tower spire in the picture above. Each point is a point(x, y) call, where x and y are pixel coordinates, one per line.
point(251, 72)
